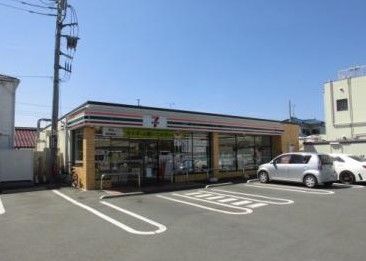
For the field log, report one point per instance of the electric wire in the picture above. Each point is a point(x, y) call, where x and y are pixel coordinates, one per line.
point(33, 5)
point(25, 10)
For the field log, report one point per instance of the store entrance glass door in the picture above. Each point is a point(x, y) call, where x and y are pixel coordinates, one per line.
point(149, 154)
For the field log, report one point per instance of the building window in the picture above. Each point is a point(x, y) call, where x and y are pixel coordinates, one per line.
point(78, 145)
point(244, 152)
point(183, 153)
point(201, 152)
point(342, 105)
point(227, 144)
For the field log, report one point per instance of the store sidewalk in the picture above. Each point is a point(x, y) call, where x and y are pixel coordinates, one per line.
point(124, 191)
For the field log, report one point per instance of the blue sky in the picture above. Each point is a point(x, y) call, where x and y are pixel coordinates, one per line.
point(235, 57)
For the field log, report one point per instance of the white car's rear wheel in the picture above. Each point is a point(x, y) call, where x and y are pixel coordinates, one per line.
point(347, 177)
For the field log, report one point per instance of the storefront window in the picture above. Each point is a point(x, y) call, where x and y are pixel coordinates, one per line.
point(166, 161)
point(78, 145)
point(183, 153)
point(227, 145)
point(244, 152)
point(201, 152)
point(102, 155)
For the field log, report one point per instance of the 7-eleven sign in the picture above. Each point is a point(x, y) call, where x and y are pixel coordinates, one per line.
point(159, 122)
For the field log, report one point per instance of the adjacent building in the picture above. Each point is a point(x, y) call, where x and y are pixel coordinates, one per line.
point(308, 127)
point(25, 138)
point(15, 165)
point(159, 146)
point(8, 87)
point(345, 114)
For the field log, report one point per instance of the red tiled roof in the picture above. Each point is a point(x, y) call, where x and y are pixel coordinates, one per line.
point(25, 137)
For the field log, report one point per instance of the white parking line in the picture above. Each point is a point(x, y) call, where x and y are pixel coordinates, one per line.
point(207, 201)
point(195, 193)
point(243, 202)
point(2, 209)
point(214, 197)
point(256, 197)
point(348, 185)
point(161, 228)
point(256, 205)
point(203, 195)
point(245, 211)
point(226, 200)
point(292, 189)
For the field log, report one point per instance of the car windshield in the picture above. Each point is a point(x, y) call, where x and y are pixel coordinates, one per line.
point(357, 158)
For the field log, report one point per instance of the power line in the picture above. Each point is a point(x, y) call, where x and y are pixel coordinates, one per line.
point(34, 76)
point(40, 105)
point(33, 5)
point(25, 10)
point(43, 2)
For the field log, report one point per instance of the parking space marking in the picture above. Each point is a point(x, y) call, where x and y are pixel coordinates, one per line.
point(97, 213)
point(161, 228)
point(256, 205)
point(207, 201)
point(348, 185)
point(226, 200)
point(195, 193)
point(244, 211)
point(2, 209)
point(285, 188)
point(215, 197)
point(203, 195)
point(255, 197)
point(240, 203)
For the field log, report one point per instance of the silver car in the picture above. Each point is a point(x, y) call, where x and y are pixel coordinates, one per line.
point(312, 169)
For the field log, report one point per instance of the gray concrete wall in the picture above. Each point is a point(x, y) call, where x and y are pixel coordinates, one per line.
point(356, 148)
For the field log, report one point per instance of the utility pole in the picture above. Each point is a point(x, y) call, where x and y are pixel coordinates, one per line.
point(56, 86)
point(289, 110)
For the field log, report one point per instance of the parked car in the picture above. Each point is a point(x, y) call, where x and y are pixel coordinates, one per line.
point(349, 168)
point(311, 169)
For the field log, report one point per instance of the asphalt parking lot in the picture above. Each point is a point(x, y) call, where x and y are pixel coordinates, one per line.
point(249, 221)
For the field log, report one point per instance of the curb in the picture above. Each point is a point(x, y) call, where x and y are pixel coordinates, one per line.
point(219, 185)
point(252, 180)
point(121, 195)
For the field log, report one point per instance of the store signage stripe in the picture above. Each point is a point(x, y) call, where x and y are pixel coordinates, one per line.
point(217, 126)
point(231, 130)
point(114, 123)
point(69, 123)
point(112, 119)
point(76, 113)
point(114, 114)
point(227, 123)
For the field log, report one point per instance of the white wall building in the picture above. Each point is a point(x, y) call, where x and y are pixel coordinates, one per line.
point(345, 114)
point(15, 165)
point(8, 86)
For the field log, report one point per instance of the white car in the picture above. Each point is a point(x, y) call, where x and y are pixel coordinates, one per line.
point(350, 169)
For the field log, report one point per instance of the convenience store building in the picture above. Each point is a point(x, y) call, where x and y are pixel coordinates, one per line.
point(158, 146)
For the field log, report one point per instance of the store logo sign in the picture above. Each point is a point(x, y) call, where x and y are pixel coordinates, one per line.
point(155, 122)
